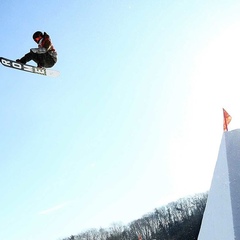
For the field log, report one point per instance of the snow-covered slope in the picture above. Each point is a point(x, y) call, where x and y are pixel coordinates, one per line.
point(221, 220)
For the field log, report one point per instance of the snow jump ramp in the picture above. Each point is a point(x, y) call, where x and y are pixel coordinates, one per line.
point(221, 219)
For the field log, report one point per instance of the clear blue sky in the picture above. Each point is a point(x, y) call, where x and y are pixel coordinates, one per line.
point(134, 120)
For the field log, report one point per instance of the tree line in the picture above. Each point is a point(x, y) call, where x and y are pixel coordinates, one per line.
point(178, 220)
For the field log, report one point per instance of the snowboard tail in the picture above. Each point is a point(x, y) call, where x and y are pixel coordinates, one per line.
point(28, 68)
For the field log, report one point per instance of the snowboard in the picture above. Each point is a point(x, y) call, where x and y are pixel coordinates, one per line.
point(28, 68)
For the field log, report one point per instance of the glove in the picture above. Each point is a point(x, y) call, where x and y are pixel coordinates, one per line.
point(40, 50)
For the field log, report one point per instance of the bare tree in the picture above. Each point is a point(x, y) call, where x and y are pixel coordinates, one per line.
point(178, 220)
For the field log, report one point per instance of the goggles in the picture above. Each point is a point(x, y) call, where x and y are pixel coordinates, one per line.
point(37, 39)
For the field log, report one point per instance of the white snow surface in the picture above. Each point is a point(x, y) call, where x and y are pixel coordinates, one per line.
point(221, 220)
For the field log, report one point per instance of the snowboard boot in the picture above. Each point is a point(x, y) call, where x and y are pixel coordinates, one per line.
point(39, 65)
point(21, 60)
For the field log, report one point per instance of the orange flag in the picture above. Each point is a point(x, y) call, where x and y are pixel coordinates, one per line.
point(226, 120)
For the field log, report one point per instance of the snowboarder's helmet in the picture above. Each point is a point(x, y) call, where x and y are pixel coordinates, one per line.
point(37, 36)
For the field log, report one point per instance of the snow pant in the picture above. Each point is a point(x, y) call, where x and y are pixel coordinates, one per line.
point(42, 60)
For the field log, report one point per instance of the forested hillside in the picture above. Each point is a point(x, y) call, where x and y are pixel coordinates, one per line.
point(180, 220)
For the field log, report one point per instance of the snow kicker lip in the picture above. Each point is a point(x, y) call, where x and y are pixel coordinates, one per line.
point(28, 68)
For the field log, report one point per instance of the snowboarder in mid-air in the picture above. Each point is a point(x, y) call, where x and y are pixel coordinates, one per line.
point(45, 55)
